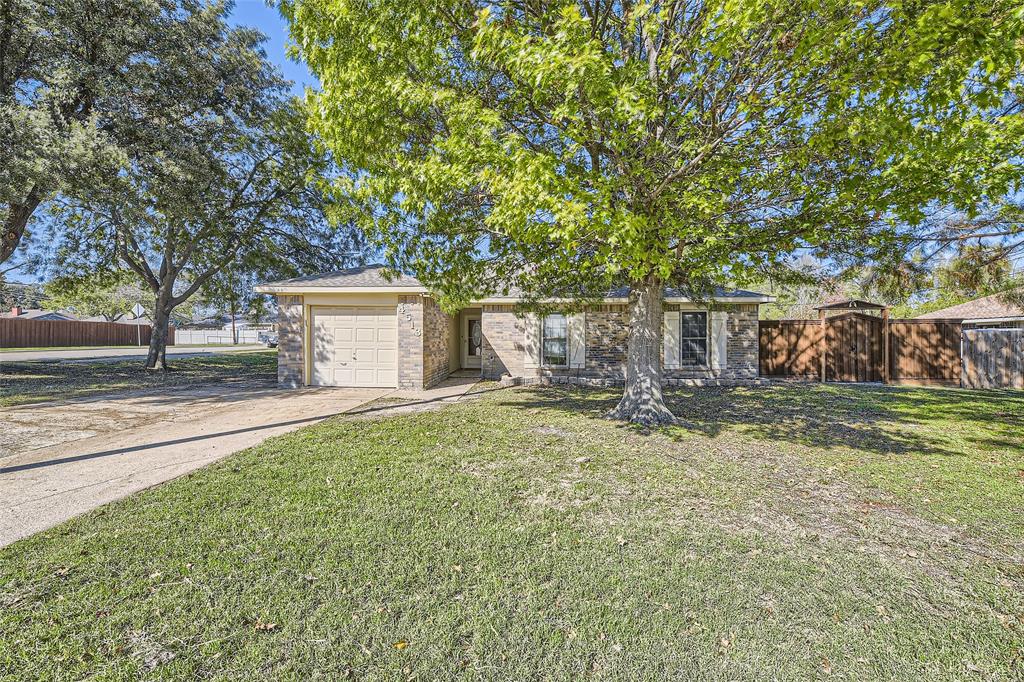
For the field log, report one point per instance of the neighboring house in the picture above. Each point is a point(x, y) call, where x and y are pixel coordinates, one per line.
point(988, 312)
point(355, 328)
point(37, 314)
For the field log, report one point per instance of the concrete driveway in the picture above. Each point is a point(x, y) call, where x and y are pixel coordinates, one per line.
point(114, 446)
point(115, 353)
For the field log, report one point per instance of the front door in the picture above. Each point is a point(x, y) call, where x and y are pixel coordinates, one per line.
point(472, 341)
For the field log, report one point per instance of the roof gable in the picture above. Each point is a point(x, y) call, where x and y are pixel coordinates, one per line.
point(366, 277)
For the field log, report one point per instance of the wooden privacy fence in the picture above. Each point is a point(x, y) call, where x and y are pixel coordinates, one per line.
point(993, 358)
point(854, 348)
point(15, 333)
point(924, 351)
point(790, 348)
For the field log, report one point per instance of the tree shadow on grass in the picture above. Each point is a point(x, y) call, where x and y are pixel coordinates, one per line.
point(32, 382)
point(876, 419)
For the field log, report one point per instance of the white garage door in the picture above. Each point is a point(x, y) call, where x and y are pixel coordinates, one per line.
point(355, 346)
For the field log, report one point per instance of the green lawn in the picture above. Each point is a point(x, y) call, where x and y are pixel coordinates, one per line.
point(184, 346)
point(31, 382)
point(42, 348)
point(785, 533)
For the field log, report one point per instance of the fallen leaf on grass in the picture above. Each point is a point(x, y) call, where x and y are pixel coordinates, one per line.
point(401, 644)
point(260, 626)
point(724, 644)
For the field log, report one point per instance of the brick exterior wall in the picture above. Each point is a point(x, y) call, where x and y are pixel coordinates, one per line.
point(741, 346)
point(742, 343)
point(606, 328)
point(503, 339)
point(424, 332)
point(437, 340)
point(290, 333)
point(606, 337)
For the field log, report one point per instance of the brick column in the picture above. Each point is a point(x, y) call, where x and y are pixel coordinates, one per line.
point(742, 343)
point(424, 335)
point(410, 342)
point(290, 342)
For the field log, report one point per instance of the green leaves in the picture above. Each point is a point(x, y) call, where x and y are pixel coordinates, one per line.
point(694, 140)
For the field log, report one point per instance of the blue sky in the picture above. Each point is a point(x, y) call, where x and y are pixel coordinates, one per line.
point(258, 14)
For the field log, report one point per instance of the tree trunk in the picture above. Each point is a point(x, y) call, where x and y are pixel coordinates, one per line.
point(642, 401)
point(157, 357)
point(18, 214)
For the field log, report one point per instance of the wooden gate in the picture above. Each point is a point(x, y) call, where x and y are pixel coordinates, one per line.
point(853, 348)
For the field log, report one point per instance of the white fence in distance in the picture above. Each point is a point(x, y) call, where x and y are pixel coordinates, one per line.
point(207, 337)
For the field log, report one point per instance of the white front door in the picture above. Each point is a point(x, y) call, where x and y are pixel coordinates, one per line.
point(354, 346)
point(472, 341)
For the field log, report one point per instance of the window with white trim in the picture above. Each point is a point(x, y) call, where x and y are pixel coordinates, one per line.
point(693, 338)
point(554, 341)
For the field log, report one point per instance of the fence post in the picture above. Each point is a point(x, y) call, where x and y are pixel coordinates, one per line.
point(885, 345)
point(824, 344)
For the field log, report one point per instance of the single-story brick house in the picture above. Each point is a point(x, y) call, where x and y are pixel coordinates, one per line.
point(355, 328)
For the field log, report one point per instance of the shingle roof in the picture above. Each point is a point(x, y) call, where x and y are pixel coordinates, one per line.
point(987, 308)
point(39, 314)
point(372, 276)
point(366, 276)
point(670, 292)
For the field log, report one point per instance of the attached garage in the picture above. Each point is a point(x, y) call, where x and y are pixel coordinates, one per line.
point(354, 346)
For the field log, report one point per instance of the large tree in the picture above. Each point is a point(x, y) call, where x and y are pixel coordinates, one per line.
point(560, 144)
point(242, 191)
point(83, 83)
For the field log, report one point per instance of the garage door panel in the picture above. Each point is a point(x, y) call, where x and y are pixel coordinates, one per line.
point(355, 346)
point(365, 356)
point(366, 377)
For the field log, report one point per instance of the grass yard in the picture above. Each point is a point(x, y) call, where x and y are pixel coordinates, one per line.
point(32, 382)
point(786, 532)
point(55, 348)
point(45, 348)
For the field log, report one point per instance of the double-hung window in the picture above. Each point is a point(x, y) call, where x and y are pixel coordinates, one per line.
point(554, 341)
point(693, 339)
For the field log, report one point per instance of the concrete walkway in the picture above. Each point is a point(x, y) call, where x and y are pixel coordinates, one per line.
point(114, 353)
point(43, 487)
